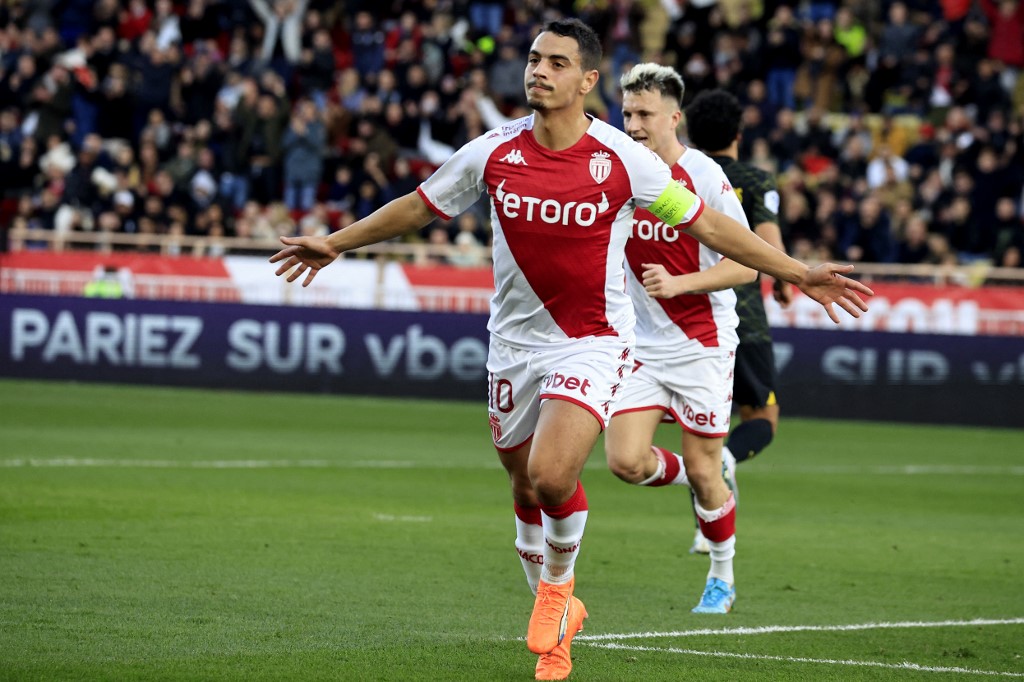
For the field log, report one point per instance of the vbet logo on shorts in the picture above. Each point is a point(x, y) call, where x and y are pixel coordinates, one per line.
point(569, 383)
point(550, 211)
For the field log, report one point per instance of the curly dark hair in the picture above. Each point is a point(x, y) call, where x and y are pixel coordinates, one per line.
point(713, 120)
point(585, 36)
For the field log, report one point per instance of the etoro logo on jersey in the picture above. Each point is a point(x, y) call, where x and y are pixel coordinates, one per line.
point(550, 211)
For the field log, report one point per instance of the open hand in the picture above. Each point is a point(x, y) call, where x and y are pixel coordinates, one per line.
point(826, 285)
point(308, 253)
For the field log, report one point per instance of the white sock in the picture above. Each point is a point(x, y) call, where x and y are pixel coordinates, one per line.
point(722, 554)
point(530, 547)
point(562, 539)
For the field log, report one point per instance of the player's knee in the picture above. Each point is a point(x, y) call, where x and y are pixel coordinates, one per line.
point(522, 491)
point(625, 465)
point(704, 474)
point(551, 483)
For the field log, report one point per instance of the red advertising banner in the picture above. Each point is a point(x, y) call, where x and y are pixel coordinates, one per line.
point(916, 308)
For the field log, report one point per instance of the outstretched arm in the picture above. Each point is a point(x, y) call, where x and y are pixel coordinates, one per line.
point(725, 274)
point(311, 254)
point(824, 283)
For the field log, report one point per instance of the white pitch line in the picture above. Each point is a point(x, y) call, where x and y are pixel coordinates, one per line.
point(90, 462)
point(85, 462)
point(770, 629)
point(906, 665)
point(403, 518)
point(904, 469)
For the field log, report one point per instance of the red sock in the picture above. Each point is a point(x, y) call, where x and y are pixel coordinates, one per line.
point(576, 503)
point(671, 463)
point(723, 526)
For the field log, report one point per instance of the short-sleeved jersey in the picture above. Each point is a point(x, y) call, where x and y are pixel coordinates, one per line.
point(560, 220)
point(759, 195)
point(674, 327)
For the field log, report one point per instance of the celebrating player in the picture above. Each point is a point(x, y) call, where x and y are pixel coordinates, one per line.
point(685, 334)
point(563, 187)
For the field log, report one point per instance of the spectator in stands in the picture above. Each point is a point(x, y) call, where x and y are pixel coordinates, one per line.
point(81, 188)
point(914, 249)
point(1006, 22)
point(51, 99)
point(403, 128)
point(1009, 234)
point(991, 181)
point(866, 236)
point(505, 75)
point(21, 175)
point(367, 46)
point(368, 199)
point(10, 136)
point(199, 82)
point(850, 34)
point(822, 58)
point(155, 68)
point(316, 68)
point(782, 55)
point(784, 139)
point(303, 146)
point(282, 32)
point(487, 16)
point(183, 165)
point(439, 239)
point(260, 132)
point(886, 167)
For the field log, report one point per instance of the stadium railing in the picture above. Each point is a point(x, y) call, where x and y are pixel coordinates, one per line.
point(975, 274)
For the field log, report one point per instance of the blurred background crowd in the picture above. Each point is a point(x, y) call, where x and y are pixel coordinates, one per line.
point(895, 128)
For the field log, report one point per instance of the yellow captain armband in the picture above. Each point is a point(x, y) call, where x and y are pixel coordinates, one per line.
point(674, 204)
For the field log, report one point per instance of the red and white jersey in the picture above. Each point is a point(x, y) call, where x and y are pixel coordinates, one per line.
point(560, 221)
point(672, 327)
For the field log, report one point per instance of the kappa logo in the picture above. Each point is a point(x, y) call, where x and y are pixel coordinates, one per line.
point(600, 167)
point(515, 157)
point(495, 427)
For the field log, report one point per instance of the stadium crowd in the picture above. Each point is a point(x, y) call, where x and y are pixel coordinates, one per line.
point(896, 128)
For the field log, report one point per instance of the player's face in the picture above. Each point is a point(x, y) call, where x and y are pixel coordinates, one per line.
point(554, 76)
point(650, 118)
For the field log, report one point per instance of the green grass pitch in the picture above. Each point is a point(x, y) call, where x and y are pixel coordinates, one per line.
point(172, 534)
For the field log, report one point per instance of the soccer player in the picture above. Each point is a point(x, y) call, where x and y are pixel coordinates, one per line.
point(713, 126)
point(562, 187)
point(685, 334)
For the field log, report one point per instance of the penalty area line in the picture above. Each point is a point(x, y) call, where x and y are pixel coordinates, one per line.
point(906, 665)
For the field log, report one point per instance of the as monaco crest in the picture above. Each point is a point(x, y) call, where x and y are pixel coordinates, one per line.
point(600, 167)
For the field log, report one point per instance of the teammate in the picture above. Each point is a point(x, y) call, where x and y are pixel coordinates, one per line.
point(713, 126)
point(563, 187)
point(685, 335)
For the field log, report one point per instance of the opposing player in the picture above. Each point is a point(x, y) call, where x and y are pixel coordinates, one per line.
point(713, 126)
point(563, 187)
point(685, 335)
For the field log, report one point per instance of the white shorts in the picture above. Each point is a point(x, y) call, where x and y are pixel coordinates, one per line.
point(695, 390)
point(589, 373)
